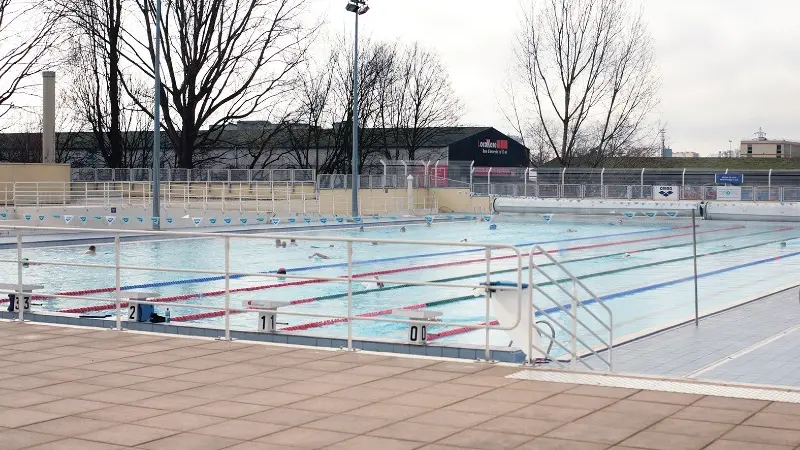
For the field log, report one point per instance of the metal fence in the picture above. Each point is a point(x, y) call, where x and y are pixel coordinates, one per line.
point(92, 175)
point(634, 192)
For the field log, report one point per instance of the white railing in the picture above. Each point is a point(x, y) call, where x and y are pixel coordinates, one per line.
point(102, 175)
point(489, 249)
point(578, 343)
point(631, 192)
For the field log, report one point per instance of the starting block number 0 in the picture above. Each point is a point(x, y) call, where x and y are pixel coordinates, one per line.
point(414, 333)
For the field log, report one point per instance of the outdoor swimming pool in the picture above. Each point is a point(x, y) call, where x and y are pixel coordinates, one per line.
point(652, 287)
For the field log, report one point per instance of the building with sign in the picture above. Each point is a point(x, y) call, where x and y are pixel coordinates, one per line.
point(257, 144)
point(761, 147)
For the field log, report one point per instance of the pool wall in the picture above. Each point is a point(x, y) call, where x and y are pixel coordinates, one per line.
point(461, 351)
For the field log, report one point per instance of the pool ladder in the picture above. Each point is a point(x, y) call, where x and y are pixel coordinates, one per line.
point(589, 346)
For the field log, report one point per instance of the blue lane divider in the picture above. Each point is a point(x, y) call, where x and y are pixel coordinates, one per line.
point(605, 298)
point(382, 260)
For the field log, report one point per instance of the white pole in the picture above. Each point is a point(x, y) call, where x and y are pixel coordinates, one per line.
point(350, 296)
point(156, 175)
point(19, 298)
point(410, 192)
point(117, 259)
point(227, 288)
point(574, 317)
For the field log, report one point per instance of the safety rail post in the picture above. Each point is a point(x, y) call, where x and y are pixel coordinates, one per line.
point(19, 297)
point(227, 288)
point(349, 295)
point(525, 182)
point(602, 174)
point(487, 325)
point(574, 339)
point(489, 182)
point(118, 282)
point(471, 170)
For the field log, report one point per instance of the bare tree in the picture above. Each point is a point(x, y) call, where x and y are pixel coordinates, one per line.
point(589, 74)
point(95, 60)
point(223, 60)
point(424, 100)
point(28, 33)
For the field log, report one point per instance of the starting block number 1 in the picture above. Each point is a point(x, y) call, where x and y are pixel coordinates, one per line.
point(266, 322)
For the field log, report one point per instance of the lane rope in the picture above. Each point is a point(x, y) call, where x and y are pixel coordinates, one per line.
point(212, 314)
point(341, 265)
point(175, 298)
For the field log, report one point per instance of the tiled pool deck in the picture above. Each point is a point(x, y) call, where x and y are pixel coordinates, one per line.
point(83, 388)
point(758, 342)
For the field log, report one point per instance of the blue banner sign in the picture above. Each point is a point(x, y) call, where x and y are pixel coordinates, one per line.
point(735, 179)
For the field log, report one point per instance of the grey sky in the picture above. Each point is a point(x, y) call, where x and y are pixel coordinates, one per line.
point(727, 66)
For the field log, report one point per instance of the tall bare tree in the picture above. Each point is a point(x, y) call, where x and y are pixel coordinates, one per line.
point(423, 98)
point(223, 60)
point(96, 63)
point(28, 34)
point(589, 75)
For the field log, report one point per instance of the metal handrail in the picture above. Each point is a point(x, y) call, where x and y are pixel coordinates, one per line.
point(576, 303)
point(227, 272)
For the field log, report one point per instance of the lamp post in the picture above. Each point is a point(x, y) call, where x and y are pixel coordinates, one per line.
point(358, 8)
point(156, 175)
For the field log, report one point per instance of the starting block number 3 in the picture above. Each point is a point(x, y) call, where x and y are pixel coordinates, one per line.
point(26, 303)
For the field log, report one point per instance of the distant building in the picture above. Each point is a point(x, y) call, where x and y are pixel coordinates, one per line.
point(685, 155)
point(761, 147)
point(666, 153)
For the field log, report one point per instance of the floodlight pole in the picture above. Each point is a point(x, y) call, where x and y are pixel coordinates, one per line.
point(156, 175)
point(357, 7)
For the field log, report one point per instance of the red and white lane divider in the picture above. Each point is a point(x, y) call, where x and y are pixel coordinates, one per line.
point(177, 298)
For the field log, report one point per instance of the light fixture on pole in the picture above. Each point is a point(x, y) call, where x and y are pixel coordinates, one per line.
point(156, 171)
point(358, 8)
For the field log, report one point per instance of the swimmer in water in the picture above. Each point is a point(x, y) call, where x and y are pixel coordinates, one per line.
point(283, 244)
point(292, 243)
point(281, 271)
point(91, 251)
point(361, 228)
point(464, 240)
point(783, 244)
point(322, 246)
point(428, 224)
point(571, 230)
point(626, 255)
point(402, 229)
point(277, 243)
point(379, 283)
point(374, 243)
point(319, 256)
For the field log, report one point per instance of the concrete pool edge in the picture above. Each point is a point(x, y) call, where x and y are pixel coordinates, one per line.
point(463, 351)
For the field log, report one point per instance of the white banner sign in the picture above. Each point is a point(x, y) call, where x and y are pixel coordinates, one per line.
point(729, 193)
point(665, 192)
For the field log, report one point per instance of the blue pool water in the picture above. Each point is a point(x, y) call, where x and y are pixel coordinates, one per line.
point(737, 262)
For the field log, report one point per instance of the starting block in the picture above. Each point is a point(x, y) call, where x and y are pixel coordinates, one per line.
point(418, 328)
point(12, 297)
point(267, 314)
point(138, 312)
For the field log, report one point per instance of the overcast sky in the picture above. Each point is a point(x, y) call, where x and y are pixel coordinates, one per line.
point(728, 67)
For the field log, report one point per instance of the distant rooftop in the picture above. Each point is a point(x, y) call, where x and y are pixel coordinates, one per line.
point(687, 163)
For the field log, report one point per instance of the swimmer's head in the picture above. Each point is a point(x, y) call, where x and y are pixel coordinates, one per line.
point(493, 226)
point(374, 243)
point(402, 229)
point(626, 255)
point(361, 228)
point(92, 248)
point(277, 242)
point(283, 244)
point(783, 244)
point(281, 271)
